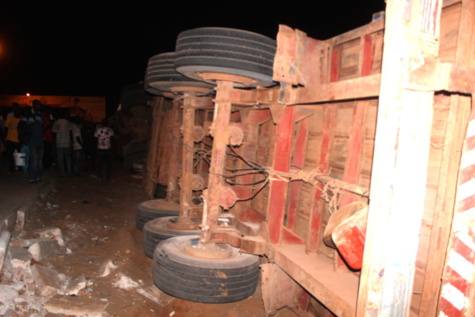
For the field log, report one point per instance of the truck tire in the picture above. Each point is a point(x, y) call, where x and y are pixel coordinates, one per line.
point(226, 51)
point(152, 209)
point(162, 76)
point(133, 95)
point(156, 230)
point(203, 280)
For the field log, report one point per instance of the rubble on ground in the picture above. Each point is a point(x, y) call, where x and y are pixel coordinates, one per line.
point(28, 287)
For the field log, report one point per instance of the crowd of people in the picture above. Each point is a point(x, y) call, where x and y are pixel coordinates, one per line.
point(37, 138)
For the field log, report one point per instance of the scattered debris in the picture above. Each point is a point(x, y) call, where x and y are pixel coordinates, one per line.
point(76, 306)
point(48, 281)
point(4, 240)
point(52, 233)
point(126, 283)
point(99, 239)
point(149, 295)
point(48, 204)
point(75, 286)
point(20, 220)
point(7, 295)
point(26, 243)
point(107, 269)
point(44, 248)
point(19, 257)
point(116, 279)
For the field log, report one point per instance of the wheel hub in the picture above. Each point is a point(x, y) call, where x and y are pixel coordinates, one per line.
point(238, 80)
point(183, 224)
point(196, 248)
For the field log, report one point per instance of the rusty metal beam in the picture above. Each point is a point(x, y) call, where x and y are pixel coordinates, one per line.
point(202, 102)
point(187, 157)
point(248, 244)
point(173, 163)
point(219, 131)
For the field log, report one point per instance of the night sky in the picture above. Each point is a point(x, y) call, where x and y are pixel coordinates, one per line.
point(59, 48)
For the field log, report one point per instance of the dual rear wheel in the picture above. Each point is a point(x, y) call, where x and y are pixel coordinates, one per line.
point(225, 276)
point(182, 266)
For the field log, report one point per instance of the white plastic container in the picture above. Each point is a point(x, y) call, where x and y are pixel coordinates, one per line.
point(20, 159)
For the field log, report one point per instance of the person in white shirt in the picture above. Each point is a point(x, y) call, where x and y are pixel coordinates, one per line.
point(78, 152)
point(104, 136)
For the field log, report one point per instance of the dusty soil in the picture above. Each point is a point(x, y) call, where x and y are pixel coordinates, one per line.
point(97, 220)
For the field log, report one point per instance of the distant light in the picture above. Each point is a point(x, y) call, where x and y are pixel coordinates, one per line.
point(28, 94)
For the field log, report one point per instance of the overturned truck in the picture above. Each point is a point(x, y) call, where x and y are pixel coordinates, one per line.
point(336, 174)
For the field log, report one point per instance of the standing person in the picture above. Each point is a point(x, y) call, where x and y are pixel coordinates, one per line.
point(89, 144)
point(3, 150)
point(63, 133)
point(24, 131)
point(104, 149)
point(12, 142)
point(47, 137)
point(34, 125)
point(78, 153)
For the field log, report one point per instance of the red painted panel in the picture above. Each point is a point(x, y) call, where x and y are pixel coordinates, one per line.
point(290, 238)
point(367, 65)
point(335, 64)
point(278, 188)
point(355, 149)
point(315, 223)
point(298, 161)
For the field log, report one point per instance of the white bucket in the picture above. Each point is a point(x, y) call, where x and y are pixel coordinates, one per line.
point(20, 159)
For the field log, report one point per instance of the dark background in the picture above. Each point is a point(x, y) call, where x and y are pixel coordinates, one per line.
point(95, 49)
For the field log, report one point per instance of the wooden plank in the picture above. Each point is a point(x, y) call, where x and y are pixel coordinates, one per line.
point(465, 40)
point(350, 59)
point(295, 51)
point(459, 110)
point(456, 296)
point(460, 43)
point(337, 290)
point(357, 88)
point(278, 289)
point(372, 27)
point(356, 138)
point(355, 148)
point(400, 163)
point(449, 31)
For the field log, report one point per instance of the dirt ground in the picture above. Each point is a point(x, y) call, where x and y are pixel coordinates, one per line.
point(102, 244)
